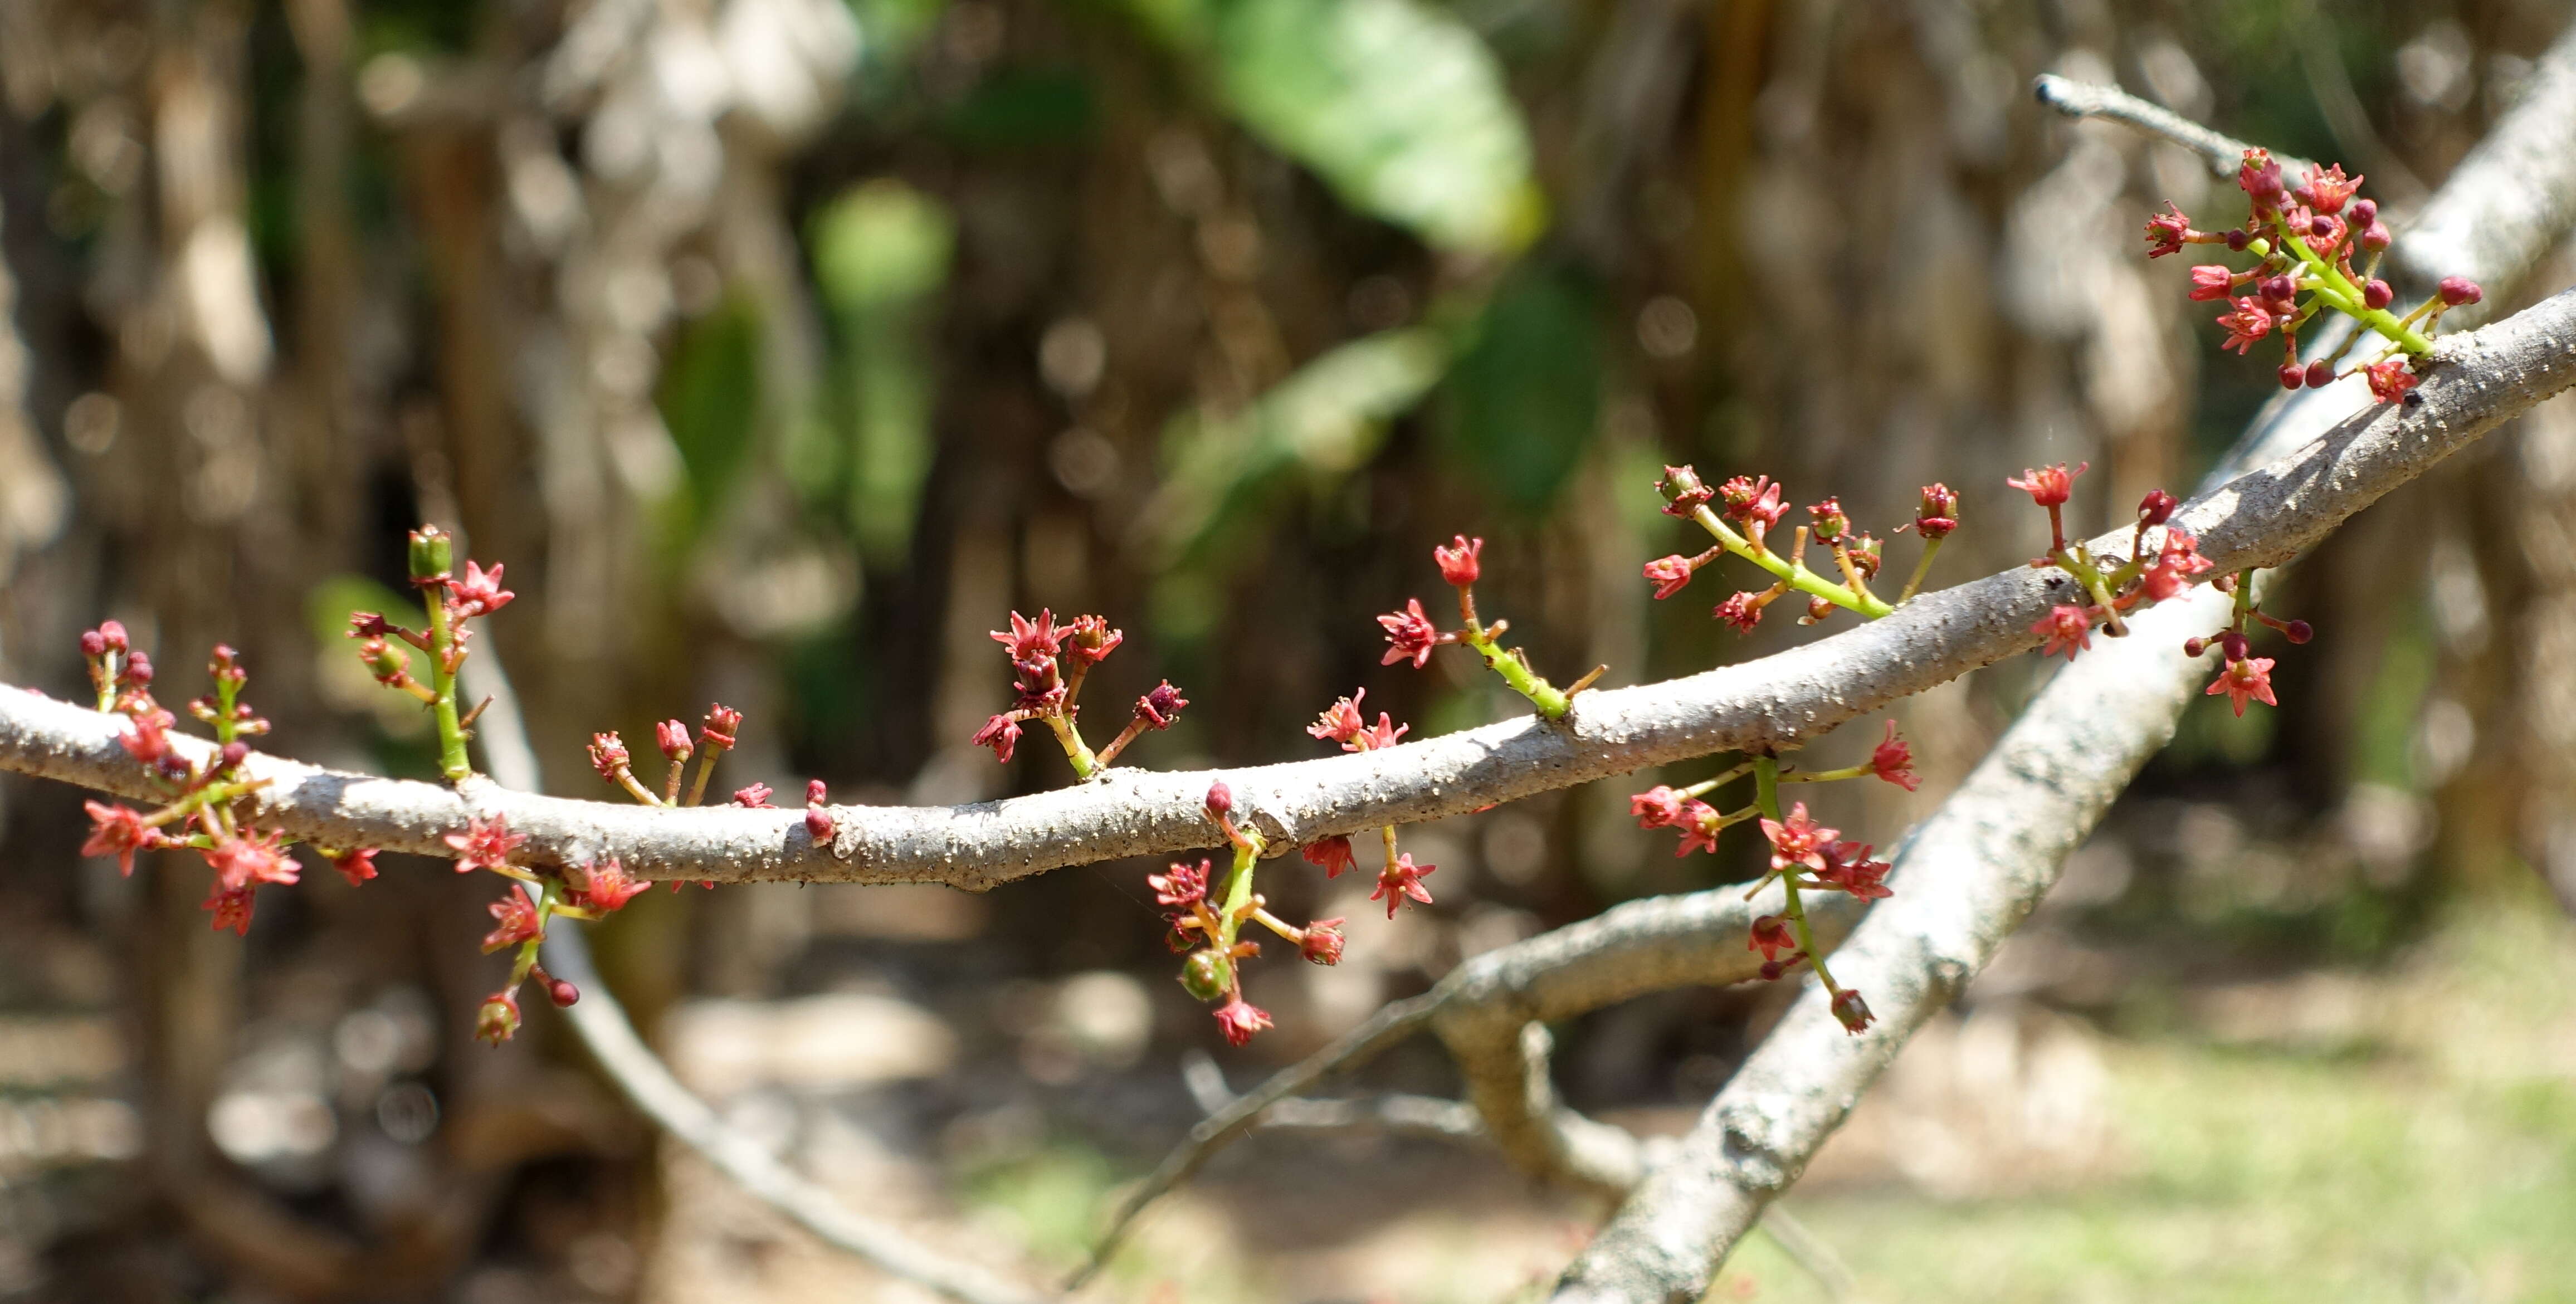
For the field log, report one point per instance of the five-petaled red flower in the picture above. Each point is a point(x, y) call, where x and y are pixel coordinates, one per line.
point(248, 860)
point(2168, 231)
point(2243, 679)
point(118, 831)
point(1893, 761)
point(231, 909)
point(2390, 380)
point(1333, 854)
point(2177, 561)
point(1180, 885)
point(1400, 880)
point(479, 593)
point(2049, 486)
point(1771, 936)
point(1458, 562)
point(1669, 574)
point(483, 845)
point(2328, 189)
point(1030, 640)
point(517, 921)
point(1409, 633)
point(1798, 840)
point(1001, 733)
point(2210, 282)
point(1341, 721)
point(2245, 323)
point(1239, 1020)
point(2067, 628)
point(606, 888)
point(1700, 824)
point(356, 866)
point(1848, 868)
point(1658, 807)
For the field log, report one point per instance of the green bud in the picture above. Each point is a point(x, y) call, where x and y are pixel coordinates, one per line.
point(1206, 975)
point(433, 554)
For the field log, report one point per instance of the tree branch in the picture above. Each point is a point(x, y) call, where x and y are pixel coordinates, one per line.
point(2220, 151)
point(2260, 519)
point(1973, 871)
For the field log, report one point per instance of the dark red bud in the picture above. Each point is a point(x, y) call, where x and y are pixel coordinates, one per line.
point(2320, 374)
point(138, 669)
point(2233, 644)
point(2376, 238)
point(2281, 287)
point(2299, 631)
point(2157, 507)
point(235, 753)
point(2460, 291)
point(2293, 375)
point(2377, 294)
point(93, 644)
point(562, 993)
point(2321, 226)
point(2237, 240)
point(1220, 799)
point(2362, 213)
point(2192, 647)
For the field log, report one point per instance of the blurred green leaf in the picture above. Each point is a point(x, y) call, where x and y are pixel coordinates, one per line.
point(881, 252)
point(1023, 109)
point(1325, 421)
point(1397, 105)
point(710, 401)
point(1523, 402)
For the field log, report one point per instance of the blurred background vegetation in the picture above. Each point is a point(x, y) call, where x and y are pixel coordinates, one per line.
point(780, 347)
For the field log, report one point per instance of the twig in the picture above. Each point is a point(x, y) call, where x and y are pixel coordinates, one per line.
point(2260, 519)
point(640, 1075)
point(2221, 152)
point(1974, 870)
point(1396, 1111)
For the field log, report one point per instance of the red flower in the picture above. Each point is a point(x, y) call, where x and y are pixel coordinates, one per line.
point(1180, 885)
point(1400, 880)
point(1001, 733)
point(482, 845)
point(1031, 640)
point(1409, 633)
point(118, 831)
point(1333, 854)
point(498, 1018)
point(1669, 574)
point(2168, 232)
point(2247, 322)
point(356, 866)
point(518, 921)
point(1700, 824)
point(755, 797)
point(2068, 630)
point(1741, 611)
point(2389, 380)
point(479, 593)
point(1658, 807)
point(2321, 231)
point(1939, 513)
point(2246, 677)
point(1089, 639)
point(1752, 500)
point(1162, 706)
point(606, 888)
point(720, 726)
point(608, 755)
point(2210, 282)
point(1458, 561)
point(1683, 492)
point(1239, 1021)
point(231, 908)
point(1771, 936)
point(2260, 178)
point(1848, 868)
point(2176, 562)
point(1894, 761)
point(149, 740)
point(250, 860)
point(2157, 507)
point(1851, 1011)
point(2049, 486)
point(1798, 840)
point(1341, 721)
point(1322, 942)
point(673, 738)
point(2328, 190)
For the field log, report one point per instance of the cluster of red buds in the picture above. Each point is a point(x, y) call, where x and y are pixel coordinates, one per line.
point(448, 603)
point(1049, 662)
point(1207, 920)
point(2147, 576)
point(2304, 239)
point(1411, 634)
point(1742, 515)
point(1804, 856)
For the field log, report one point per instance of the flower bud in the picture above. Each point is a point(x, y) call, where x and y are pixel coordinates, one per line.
point(138, 668)
point(2376, 239)
point(2157, 507)
point(2293, 375)
point(233, 754)
point(2236, 240)
point(2363, 212)
point(433, 554)
point(2460, 291)
point(562, 993)
point(1220, 800)
point(2233, 644)
point(112, 633)
point(2299, 631)
point(673, 738)
point(818, 821)
point(1458, 562)
point(1206, 975)
point(2377, 294)
point(93, 644)
point(2282, 288)
point(2192, 647)
point(1818, 609)
point(2320, 374)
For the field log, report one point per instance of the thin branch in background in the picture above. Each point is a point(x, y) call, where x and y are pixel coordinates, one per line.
point(2331, 85)
point(1972, 872)
point(644, 1079)
point(2221, 152)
